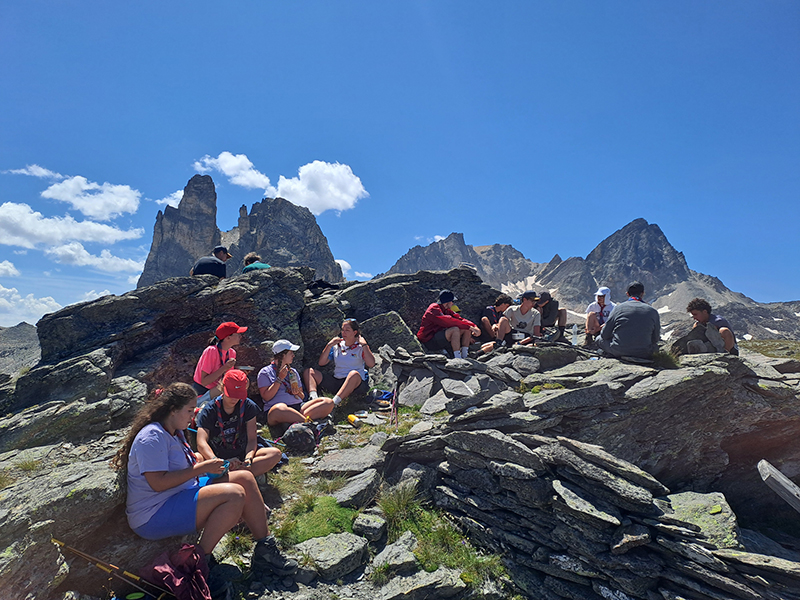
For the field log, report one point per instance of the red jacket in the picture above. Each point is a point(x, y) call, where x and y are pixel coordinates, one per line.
point(436, 318)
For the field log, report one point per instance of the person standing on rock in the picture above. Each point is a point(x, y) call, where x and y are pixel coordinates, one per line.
point(597, 313)
point(351, 358)
point(252, 262)
point(282, 391)
point(443, 329)
point(700, 310)
point(633, 328)
point(217, 359)
point(213, 264)
point(490, 317)
point(226, 428)
point(170, 494)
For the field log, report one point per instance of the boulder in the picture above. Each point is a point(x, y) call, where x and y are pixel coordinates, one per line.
point(359, 490)
point(417, 389)
point(398, 557)
point(350, 461)
point(442, 583)
point(389, 328)
point(335, 555)
point(371, 527)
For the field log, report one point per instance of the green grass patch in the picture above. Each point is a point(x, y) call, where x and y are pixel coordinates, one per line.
point(546, 386)
point(439, 541)
point(5, 479)
point(665, 360)
point(312, 517)
point(381, 575)
point(234, 544)
point(290, 479)
point(773, 348)
point(29, 466)
point(326, 486)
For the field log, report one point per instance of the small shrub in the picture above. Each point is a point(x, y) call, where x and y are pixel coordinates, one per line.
point(327, 486)
point(381, 575)
point(234, 544)
point(29, 466)
point(522, 388)
point(346, 443)
point(553, 386)
point(399, 505)
point(665, 360)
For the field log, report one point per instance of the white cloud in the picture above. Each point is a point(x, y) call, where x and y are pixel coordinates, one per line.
point(419, 237)
point(20, 251)
point(98, 201)
point(345, 266)
point(93, 295)
point(75, 254)
point(322, 186)
point(438, 238)
point(36, 171)
point(363, 275)
point(172, 200)
point(134, 279)
point(237, 168)
point(7, 269)
point(14, 308)
point(22, 226)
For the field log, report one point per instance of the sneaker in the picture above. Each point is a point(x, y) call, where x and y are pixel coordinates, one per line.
point(380, 405)
point(267, 557)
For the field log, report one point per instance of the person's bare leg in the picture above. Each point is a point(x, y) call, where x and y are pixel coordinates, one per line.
point(219, 508)
point(466, 337)
point(503, 328)
point(254, 511)
point(280, 413)
point(265, 460)
point(454, 337)
point(727, 337)
point(311, 379)
point(351, 382)
point(562, 317)
point(318, 408)
point(592, 324)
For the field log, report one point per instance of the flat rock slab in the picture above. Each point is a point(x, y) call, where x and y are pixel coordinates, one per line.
point(350, 461)
point(597, 396)
point(359, 490)
point(418, 388)
point(442, 583)
point(434, 404)
point(335, 555)
point(495, 445)
point(711, 513)
point(455, 388)
point(771, 564)
point(524, 365)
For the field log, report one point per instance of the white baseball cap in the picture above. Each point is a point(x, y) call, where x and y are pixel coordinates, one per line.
point(282, 345)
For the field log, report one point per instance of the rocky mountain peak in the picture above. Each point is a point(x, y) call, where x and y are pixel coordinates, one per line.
point(282, 233)
point(639, 251)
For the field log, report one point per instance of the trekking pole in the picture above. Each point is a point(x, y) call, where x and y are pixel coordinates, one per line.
point(394, 416)
point(115, 571)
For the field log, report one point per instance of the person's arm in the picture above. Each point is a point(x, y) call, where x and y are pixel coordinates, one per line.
point(607, 332)
point(161, 481)
point(203, 447)
point(324, 357)
point(366, 353)
point(268, 392)
point(657, 330)
point(252, 443)
point(210, 379)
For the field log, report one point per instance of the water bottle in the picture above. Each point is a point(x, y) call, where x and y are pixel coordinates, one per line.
point(575, 334)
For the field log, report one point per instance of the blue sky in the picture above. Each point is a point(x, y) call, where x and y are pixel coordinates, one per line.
point(546, 126)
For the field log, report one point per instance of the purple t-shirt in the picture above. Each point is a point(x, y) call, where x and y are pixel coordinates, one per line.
point(267, 376)
point(153, 449)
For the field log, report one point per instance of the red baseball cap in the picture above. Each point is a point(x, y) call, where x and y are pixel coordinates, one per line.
point(235, 383)
point(228, 328)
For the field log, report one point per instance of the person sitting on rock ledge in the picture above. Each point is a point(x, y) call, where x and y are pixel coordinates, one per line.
point(282, 391)
point(351, 357)
point(597, 313)
point(490, 317)
point(217, 359)
point(213, 264)
point(633, 329)
point(226, 428)
point(710, 324)
point(252, 262)
point(169, 489)
point(552, 316)
point(443, 329)
point(520, 323)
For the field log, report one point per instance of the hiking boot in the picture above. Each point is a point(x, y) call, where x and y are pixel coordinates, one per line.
point(267, 557)
point(218, 586)
point(325, 427)
point(588, 340)
point(380, 405)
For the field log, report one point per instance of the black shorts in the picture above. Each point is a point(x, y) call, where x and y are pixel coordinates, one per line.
point(333, 384)
point(438, 342)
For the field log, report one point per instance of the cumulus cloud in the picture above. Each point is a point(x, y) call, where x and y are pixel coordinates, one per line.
point(20, 225)
point(172, 200)
point(134, 279)
point(322, 186)
point(98, 201)
point(36, 171)
point(438, 238)
point(237, 168)
point(363, 275)
point(345, 266)
point(7, 269)
point(15, 308)
point(93, 295)
point(75, 254)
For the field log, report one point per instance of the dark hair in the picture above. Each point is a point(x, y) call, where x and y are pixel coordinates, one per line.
point(160, 403)
point(250, 258)
point(636, 288)
point(353, 325)
point(278, 359)
point(699, 304)
point(503, 299)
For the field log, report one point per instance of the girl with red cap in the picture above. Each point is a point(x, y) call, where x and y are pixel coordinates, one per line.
point(216, 360)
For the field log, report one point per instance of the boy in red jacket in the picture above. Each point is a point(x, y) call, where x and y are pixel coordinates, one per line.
point(441, 328)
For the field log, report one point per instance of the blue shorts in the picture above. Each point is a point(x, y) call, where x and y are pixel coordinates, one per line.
point(177, 516)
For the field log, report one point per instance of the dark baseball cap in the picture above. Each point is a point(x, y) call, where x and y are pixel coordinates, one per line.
point(221, 249)
point(446, 296)
point(530, 294)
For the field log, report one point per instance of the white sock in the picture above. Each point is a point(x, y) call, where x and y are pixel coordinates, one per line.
point(336, 400)
point(313, 395)
point(464, 351)
point(456, 353)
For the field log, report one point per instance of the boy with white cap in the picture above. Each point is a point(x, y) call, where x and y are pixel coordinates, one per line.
point(597, 313)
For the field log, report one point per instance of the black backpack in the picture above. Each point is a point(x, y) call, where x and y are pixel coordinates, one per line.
point(300, 438)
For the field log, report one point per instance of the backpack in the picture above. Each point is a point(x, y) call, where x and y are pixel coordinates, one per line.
point(300, 438)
